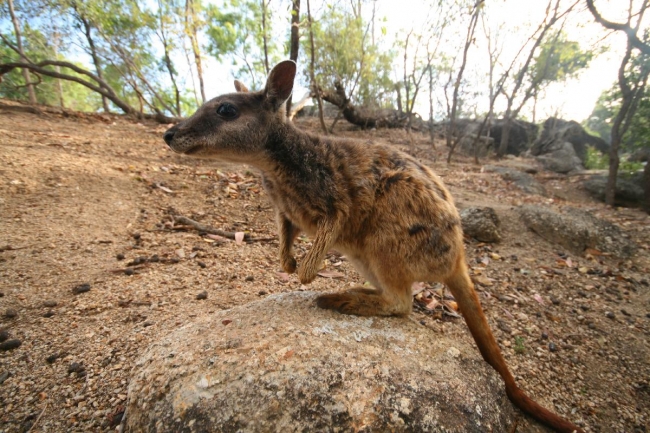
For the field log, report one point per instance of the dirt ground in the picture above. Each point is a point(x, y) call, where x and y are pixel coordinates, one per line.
point(93, 270)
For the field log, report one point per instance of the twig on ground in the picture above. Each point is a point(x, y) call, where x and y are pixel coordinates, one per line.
point(37, 419)
point(179, 219)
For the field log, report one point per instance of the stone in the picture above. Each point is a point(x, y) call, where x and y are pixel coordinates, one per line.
point(282, 364)
point(481, 223)
point(521, 179)
point(629, 189)
point(577, 230)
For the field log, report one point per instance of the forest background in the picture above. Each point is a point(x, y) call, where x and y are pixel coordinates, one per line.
point(437, 62)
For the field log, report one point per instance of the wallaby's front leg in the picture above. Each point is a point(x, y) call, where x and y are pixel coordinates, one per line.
point(326, 234)
point(288, 232)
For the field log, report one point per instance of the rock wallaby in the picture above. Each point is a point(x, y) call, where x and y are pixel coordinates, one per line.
point(391, 216)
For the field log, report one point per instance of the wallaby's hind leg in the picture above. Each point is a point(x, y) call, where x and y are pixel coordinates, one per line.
point(391, 297)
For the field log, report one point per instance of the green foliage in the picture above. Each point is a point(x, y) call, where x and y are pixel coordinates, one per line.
point(608, 105)
point(595, 160)
point(344, 53)
point(559, 59)
point(598, 161)
point(38, 47)
point(519, 346)
point(235, 33)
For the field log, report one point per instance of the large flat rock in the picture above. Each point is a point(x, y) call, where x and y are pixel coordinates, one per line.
point(283, 365)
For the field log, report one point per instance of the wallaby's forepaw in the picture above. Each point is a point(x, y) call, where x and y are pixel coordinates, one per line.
point(288, 264)
point(306, 275)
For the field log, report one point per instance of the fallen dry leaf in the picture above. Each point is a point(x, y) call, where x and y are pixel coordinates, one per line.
point(417, 288)
point(331, 274)
point(483, 280)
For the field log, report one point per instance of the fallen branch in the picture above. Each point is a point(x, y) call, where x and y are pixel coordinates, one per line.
point(179, 219)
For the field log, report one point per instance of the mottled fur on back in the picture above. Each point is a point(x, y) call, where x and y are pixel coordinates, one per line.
point(390, 215)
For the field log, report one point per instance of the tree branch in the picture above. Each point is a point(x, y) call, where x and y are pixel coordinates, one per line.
point(626, 28)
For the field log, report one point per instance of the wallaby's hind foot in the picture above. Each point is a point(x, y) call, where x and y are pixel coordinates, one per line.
point(361, 301)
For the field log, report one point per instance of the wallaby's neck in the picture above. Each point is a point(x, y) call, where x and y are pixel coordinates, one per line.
point(287, 147)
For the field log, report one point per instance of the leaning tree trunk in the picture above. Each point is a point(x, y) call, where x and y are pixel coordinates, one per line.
point(21, 52)
point(362, 116)
point(96, 61)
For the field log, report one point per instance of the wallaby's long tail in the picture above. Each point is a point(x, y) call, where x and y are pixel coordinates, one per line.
point(462, 288)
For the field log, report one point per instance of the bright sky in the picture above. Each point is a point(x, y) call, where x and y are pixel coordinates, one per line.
point(573, 99)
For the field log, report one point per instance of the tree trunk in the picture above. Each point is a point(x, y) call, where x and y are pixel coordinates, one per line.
point(505, 135)
point(94, 56)
point(190, 27)
point(314, 85)
point(59, 82)
point(294, 41)
point(265, 38)
point(431, 128)
point(167, 59)
point(19, 43)
point(646, 186)
point(360, 116)
point(100, 87)
point(454, 103)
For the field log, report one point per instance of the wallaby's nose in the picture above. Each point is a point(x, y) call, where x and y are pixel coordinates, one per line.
point(169, 135)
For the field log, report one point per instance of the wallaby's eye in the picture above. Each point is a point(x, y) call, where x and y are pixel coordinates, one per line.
point(226, 110)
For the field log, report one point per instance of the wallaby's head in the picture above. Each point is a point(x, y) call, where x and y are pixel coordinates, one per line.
point(235, 126)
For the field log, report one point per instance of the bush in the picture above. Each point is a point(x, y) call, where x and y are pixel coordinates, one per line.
point(598, 161)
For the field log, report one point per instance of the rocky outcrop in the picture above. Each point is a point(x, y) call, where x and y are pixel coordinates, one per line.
point(481, 223)
point(521, 135)
point(521, 179)
point(577, 230)
point(562, 145)
point(283, 365)
point(629, 189)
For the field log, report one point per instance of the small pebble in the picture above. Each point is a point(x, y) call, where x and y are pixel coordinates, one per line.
point(129, 271)
point(81, 288)
point(4, 376)
point(610, 315)
point(555, 300)
point(50, 359)
point(262, 293)
point(48, 313)
point(50, 304)
point(154, 258)
point(552, 347)
point(4, 335)
point(75, 367)
point(120, 256)
point(136, 236)
point(11, 313)
point(202, 295)
point(10, 345)
point(202, 265)
point(625, 312)
point(250, 278)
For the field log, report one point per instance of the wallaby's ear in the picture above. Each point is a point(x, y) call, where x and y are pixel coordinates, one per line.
point(241, 87)
point(279, 84)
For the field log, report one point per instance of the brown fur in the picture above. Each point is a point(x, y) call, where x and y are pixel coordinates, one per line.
point(390, 215)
